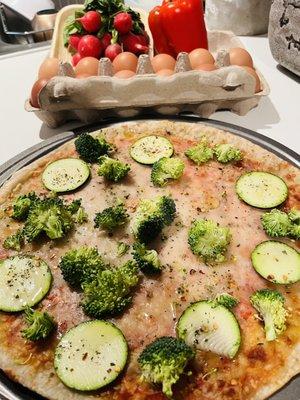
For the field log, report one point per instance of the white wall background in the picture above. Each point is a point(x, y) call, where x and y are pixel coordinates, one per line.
point(146, 4)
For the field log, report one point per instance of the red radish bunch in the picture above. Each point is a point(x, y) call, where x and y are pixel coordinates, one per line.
point(134, 44)
point(123, 23)
point(112, 51)
point(106, 40)
point(144, 38)
point(91, 21)
point(90, 46)
point(74, 40)
point(102, 34)
point(75, 59)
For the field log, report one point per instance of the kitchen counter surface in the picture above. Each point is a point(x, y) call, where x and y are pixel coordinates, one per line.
point(277, 116)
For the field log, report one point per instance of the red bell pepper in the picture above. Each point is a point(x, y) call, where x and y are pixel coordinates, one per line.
point(178, 25)
point(160, 40)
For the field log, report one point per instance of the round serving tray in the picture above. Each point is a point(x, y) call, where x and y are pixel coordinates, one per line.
point(10, 390)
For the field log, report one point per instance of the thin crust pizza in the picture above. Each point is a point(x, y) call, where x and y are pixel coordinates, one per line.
point(160, 262)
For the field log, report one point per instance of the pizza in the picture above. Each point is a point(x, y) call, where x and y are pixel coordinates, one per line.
point(160, 262)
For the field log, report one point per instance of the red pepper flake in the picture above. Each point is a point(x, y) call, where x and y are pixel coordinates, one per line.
point(257, 354)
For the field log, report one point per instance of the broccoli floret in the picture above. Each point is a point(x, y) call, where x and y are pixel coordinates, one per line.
point(226, 153)
point(226, 300)
point(164, 361)
point(151, 217)
point(111, 292)
point(276, 223)
point(147, 228)
point(44, 215)
point(147, 260)
point(74, 206)
point(167, 209)
point(111, 218)
point(41, 324)
point(90, 148)
point(200, 154)
point(166, 169)
point(106, 147)
point(111, 169)
point(80, 265)
point(22, 205)
point(294, 215)
point(49, 216)
point(209, 240)
point(14, 242)
point(78, 212)
point(270, 305)
point(122, 249)
point(80, 216)
point(295, 231)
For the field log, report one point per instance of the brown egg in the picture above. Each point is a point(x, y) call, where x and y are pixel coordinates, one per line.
point(124, 74)
point(83, 76)
point(125, 61)
point(199, 57)
point(165, 72)
point(241, 57)
point(163, 61)
point(252, 72)
point(49, 68)
point(87, 65)
point(206, 67)
point(35, 91)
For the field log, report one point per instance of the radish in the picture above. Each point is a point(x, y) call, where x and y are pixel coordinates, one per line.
point(75, 59)
point(74, 40)
point(91, 21)
point(106, 40)
point(144, 38)
point(123, 23)
point(132, 43)
point(112, 51)
point(90, 46)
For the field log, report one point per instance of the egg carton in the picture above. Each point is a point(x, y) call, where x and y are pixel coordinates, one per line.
point(92, 99)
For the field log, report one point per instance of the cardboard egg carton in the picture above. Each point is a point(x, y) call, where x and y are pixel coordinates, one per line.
point(89, 100)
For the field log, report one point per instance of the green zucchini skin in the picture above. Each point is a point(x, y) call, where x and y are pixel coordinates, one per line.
point(261, 189)
point(91, 355)
point(65, 175)
point(149, 149)
point(24, 282)
point(276, 262)
point(209, 326)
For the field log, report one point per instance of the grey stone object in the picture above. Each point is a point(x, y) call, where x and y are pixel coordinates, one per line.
point(284, 33)
point(242, 17)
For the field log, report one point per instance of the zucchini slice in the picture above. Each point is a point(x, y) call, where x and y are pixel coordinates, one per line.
point(24, 281)
point(150, 149)
point(91, 355)
point(209, 326)
point(65, 175)
point(277, 262)
point(261, 189)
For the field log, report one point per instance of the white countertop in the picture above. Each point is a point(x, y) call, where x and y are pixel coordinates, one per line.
point(277, 116)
